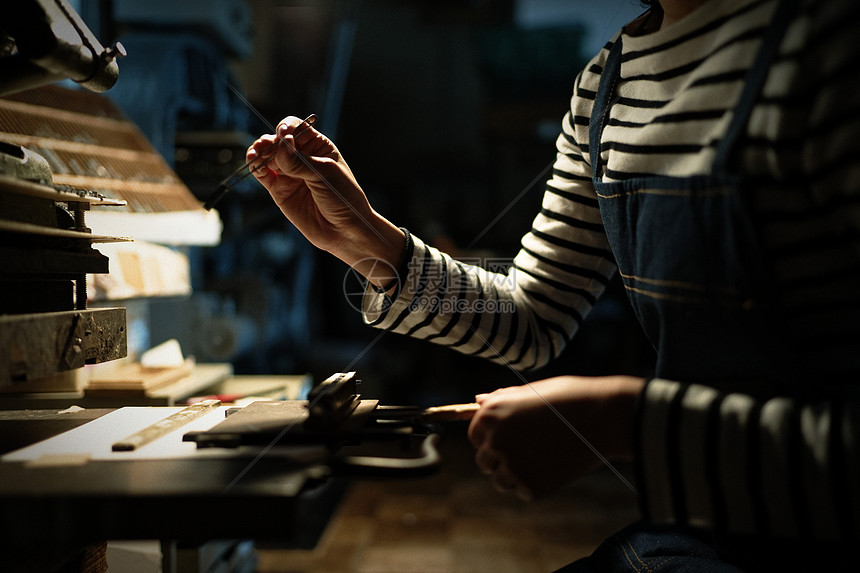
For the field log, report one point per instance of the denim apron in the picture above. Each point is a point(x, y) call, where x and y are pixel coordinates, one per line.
point(690, 256)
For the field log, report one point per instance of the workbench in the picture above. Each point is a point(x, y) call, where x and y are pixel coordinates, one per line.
point(271, 470)
point(52, 505)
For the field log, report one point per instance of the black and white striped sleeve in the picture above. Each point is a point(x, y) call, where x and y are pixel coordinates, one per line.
point(523, 316)
point(732, 463)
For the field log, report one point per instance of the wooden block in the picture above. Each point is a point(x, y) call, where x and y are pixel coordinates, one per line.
point(137, 378)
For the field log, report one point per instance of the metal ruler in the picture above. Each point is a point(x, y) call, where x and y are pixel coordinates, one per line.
point(165, 426)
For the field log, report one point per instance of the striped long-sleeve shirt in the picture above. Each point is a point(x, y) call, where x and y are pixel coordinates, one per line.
point(784, 462)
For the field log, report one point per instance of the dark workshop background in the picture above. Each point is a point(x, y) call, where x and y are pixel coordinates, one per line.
point(447, 112)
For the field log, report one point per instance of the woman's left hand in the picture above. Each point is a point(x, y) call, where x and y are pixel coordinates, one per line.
point(532, 439)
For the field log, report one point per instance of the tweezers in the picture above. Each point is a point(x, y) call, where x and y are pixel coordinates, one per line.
point(237, 175)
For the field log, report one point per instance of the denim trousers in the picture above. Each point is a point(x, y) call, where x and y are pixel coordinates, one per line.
point(644, 548)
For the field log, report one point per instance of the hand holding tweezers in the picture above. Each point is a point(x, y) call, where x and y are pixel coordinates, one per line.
point(237, 175)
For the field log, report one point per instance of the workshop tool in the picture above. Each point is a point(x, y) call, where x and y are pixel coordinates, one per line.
point(237, 175)
point(165, 426)
point(335, 415)
point(450, 412)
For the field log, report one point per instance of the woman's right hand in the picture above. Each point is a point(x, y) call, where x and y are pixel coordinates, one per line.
point(315, 189)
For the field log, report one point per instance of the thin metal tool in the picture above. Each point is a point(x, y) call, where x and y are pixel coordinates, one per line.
point(236, 176)
point(165, 426)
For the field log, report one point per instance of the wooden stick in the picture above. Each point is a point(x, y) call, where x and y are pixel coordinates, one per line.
point(450, 412)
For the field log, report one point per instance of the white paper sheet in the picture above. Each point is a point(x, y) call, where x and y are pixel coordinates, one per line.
point(94, 439)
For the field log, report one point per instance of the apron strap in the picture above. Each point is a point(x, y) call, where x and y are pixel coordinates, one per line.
point(755, 79)
point(600, 111)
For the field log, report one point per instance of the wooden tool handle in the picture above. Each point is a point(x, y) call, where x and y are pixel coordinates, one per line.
point(450, 412)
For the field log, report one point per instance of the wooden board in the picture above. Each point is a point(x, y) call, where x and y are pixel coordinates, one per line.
point(137, 378)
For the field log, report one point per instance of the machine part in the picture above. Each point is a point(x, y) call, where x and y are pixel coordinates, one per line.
point(19, 162)
point(423, 464)
point(28, 229)
point(52, 43)
point(34, 346)
point(81, 292)
point(54, 193)
point(79, 208)
point(332, 401)
point(37, 259)
point(96, 154)
point(412, 443)
point(282, 422)
point(44, 248)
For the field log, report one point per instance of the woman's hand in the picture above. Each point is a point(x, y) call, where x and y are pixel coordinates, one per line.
point(532, 439)
point(313, 186)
